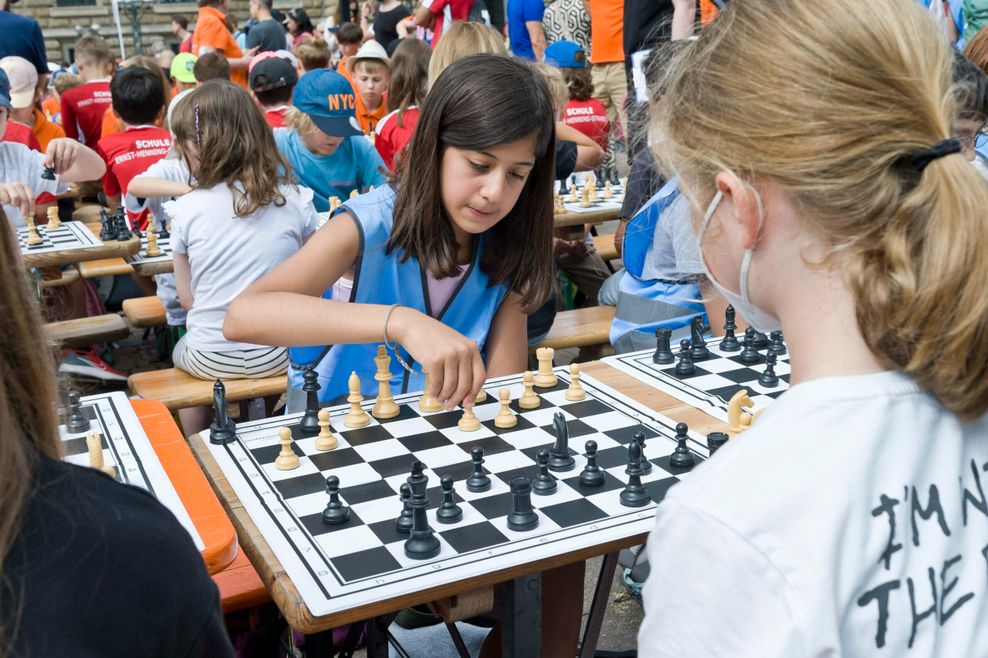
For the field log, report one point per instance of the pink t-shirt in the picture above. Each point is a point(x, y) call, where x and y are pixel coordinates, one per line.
point(440, 290)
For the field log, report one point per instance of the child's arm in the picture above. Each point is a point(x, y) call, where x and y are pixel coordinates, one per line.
point(507, 341)
point(72, 161)
point(589, 155)
point(183, 280)
point(151, 186)
point(286, 308)
point(18, 195)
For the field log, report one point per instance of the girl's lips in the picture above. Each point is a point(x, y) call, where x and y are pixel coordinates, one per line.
point(478, 213)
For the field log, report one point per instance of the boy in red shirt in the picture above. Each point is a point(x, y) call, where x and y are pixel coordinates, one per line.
point(138, 99)
point(583, 111)
point(272, 80)
point(84, 106)
point(438, 15)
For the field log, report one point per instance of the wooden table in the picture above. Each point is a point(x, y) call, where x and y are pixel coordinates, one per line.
point(591, 217)
point(289, 601)
point(108, 249)
point(211, 522)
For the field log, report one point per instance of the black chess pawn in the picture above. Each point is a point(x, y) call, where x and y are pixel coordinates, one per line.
point(522, 517)
point(599, 175)
point(749, 354)
point(137, 232)
point(222, 430)
point(592, 476)
point(76, 422)
point(545, 482)
point(715, 441)
point(106, 231)
point(336, 512)
point(478, 480)
point(646, 465)
point(121, 228)
point(449, 511)
point(309, 425)
point(163, 233)
point(777, 344)
point(698, 345)
point(403, 523)
point(685, 367)
point(663, 347)
point(761, 340)
point(634, 493)
point(769, 379)
point(48, 173)
point(682, 457)
point(730, 342)
point(422, 542)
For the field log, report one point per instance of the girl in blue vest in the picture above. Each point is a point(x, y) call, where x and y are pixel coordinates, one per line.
point(444, 263)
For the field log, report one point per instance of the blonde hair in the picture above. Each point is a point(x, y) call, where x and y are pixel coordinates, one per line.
point(28, 420)
point(66, 81)
point(312, 52)
point(462, 39)
point(557, 85)
point(300, 121)
point(370, 66)
point(831, 109)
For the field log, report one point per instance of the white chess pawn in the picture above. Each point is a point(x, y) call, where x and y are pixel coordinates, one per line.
point(53, 221)
point(468, 421)
point(32, 232)
point(428, 403)
point(528, 399)
point(356, 417)
point(286, 459)
point(505, 418)
point(575, 392)
point(152, 250)
point(325, 440)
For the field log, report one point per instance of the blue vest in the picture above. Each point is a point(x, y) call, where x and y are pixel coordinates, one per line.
point(643, 305)
point(381, 279)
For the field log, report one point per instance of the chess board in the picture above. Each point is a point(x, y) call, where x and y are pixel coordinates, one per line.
point(575, 185)
point(338, 567)
point(715, 381)
point(68, 236)
point(127, 449)
point(142, 258)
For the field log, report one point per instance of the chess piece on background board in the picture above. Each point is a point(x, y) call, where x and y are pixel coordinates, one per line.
point(106, 231)
point(325, 440)
point(286, 460)
point(545, 482)
point(730, 342)
point(222, 430)
point(663, 347)
point(575, 392)
point(33, 237)
point(761, 340)
point(522, 517)
point(403, 523)
point(529, 399)
point(428, 403)
point(545, 377)
point(505, 418)
point(634, 494)
point(356, 417)
point(646, 465)
point(309, 424)
point(738, 419)
point(54, 222)
point(76, 421)
point(562, 187)
point(152, 251)
point(777, 345)
point(384, 405)
point(585, 197)
point(715, 441)
point(449, 511)
point(336, 512)
point(681, 456)
point(698, 346)
point(685, 367)
point(121, 228)
point(468, 421)
point(559, 457)
point(422, 542)
point(591, 476)
point(478, 481)
point(768, 378)
point(94, 446)
point(163, 233)
point(749, 354)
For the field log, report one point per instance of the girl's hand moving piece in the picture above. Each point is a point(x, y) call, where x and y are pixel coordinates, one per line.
point(72, 161)
point(18, 195)
point(456, 371)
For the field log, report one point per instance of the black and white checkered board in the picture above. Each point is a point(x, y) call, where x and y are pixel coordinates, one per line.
point(362, 561)
point(68, 236)
point(142, 258)
point(127, 449)
point(715, 381)
point(600, 203)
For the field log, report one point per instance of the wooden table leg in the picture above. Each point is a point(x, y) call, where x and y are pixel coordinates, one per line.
point(521, 618)
point(598, 605)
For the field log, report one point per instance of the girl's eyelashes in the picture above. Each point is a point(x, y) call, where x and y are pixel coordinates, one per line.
point(478, 166)
point(519, 176)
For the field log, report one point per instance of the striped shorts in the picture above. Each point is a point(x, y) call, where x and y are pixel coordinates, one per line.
point(232, 364)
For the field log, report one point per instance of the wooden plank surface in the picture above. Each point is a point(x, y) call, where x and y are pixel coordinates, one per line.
point(580, 327)
point(109, 249)
point(85, 331)
point(591, 217)
point(286, 596)
point(178, 390)
point(64, 278)
point(144, 311)
point(105, 267)
point(157, 267)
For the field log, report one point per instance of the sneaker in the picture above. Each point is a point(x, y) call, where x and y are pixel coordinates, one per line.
point(88, 364)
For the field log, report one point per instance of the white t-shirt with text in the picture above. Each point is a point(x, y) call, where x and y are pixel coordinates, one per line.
point(850, 520)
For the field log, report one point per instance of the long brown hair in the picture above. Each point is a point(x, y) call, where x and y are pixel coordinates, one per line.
point(847, 92)
point(234, 145)
point(976, 49)
point(28, 399)
point(479, 102)
point(409, 74)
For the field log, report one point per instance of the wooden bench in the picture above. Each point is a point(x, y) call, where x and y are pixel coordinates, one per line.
point(240, 586)
point(144, 312)
point(177, 389)
point(604, 244)
point(88, 212)
point(91, 269)
point(86, 331)
point(581, 327)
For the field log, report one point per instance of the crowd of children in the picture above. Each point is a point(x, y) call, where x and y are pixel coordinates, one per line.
point(390, 181)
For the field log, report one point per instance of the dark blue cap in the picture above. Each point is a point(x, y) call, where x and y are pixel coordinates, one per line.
point(5, 90)
point(328, 99)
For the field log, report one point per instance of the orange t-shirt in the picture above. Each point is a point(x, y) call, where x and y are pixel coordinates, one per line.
point(369, 119)
point(606, 31)
point(211, 32)
point(707, 11)
point(45, 130)
point(52, 107)
point(111, 123)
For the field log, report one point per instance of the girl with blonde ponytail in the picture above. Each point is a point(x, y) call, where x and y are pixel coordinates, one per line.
point(831, 200)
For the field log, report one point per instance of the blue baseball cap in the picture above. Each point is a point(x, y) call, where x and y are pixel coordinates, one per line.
point(5, 90)
point(328, 99)
point(566, 55)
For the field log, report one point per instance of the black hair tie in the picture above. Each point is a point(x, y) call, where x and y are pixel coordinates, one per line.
point(944, 147)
